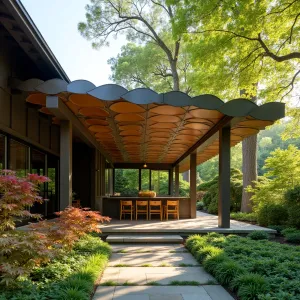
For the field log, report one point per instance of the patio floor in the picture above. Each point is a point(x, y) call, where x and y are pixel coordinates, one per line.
point(202, 224)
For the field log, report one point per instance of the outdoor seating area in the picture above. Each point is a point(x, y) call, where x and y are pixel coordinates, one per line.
point(148, 208)
point(203, 223)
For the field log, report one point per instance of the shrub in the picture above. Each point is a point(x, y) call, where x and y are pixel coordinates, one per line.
point(213, 205)
point(227, 270)
point(210, 198)
point(210, 263)
point(17, 195)
point(72, 274)
point(288, 230)
point(258, 235)
point(278, 228)
point(292, 198)
point(200, 205)
point(293, 237)
point(268, 270)
point(247, 217)
point(73, 223)
point(20, 252)
point(272, 213)
point(294, 215)
point(249, 286)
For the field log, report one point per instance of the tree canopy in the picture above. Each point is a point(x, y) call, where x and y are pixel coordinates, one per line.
point(143, 21)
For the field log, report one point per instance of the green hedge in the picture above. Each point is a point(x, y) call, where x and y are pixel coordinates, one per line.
point(253, 269)
point(71, 277)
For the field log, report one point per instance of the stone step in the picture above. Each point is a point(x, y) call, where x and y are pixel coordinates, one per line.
point(144, 239)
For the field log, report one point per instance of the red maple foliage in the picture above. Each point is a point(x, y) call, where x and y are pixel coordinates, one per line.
point(21, 251)
point(72, 224)
point(17, 195)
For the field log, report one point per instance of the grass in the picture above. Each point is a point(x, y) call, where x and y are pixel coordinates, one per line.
point(187, 265)
point(253, 269)
point(155, 283)
point(122, 251)
point(121, 266)
point(109, 283)
point(244, 217)
point(146, 265)
point(165, 265)
point(182, 283)
point(128, 283)
point(178, 251)
point(71, 276)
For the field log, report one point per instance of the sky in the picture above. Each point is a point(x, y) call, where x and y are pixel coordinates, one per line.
point(57, 21)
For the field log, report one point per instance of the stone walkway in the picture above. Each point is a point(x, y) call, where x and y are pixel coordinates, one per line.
point(156, 272)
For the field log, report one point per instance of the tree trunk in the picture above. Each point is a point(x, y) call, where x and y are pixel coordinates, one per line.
point(173, 65)
point(249, 148)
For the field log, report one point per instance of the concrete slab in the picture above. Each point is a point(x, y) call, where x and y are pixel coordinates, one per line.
point(144, 239)
point(202, 224)
point(154, 259)
point(179, 274)
point(217, 292)
point(104, 293)
point(159, 290)
point(165, 297)
point(132, 297)
point(153, 247)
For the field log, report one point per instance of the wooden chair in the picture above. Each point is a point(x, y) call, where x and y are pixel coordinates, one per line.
point(141, 208)
point(155, 208)
point(172, 207)
point(126, 207)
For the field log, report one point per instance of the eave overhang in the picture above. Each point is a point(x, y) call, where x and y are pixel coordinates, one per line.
point(141, 125)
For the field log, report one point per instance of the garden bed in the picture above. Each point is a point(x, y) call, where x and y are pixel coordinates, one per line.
point(72, 276)
point(253, 269)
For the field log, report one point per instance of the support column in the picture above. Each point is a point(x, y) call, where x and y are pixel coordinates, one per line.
point(224, 178)
point(177, 180)
point(65, 164)
point(171, 183)
point(193, 184)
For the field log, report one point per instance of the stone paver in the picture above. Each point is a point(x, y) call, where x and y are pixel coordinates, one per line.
point(202, 224)
point(154, 259)
point(138, 280)
point(144, 238)
point(137, 248)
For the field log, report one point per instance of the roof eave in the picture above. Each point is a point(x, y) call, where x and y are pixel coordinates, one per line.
point(21, 16)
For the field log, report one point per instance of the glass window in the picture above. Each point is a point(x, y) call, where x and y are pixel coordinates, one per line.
point(127, 182)
point(38, 160)
point(52, 186)
point(2, 152)
point(107, 181)
point(18, 158)
point(145, 176)
point(160, 182)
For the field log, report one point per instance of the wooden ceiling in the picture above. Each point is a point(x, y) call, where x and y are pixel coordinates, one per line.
point(142, 126)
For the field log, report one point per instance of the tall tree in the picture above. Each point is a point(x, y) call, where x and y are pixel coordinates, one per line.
point(143, 21)
point(244, 43)
point(147, 66)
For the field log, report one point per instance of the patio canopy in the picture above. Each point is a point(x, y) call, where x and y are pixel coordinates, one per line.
point(142, 126)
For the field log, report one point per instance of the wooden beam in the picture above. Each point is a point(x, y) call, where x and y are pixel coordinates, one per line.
point(152, 166)
point(62, 112)
point(223, 122)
